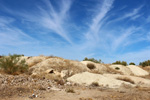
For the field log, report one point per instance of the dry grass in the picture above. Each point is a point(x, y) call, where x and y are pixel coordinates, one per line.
point(34, 62)
point(9, 91)
point(126, 79)
point(85, 98)
point(111, 70)
point(46, 76)
point(58, 64)
point(147, 68)
point(70, 90)
point(64, 64)
point(97, 71)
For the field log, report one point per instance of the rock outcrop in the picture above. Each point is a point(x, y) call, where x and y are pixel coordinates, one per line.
point(87, 78)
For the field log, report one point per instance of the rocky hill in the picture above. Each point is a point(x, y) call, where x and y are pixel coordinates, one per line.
point(48, 73)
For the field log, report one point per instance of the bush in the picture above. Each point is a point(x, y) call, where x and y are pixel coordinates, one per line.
point(131, 63)
point(145, 63)
point(91, 66)
point(124, 63)
point(92, 59)
point(17, 55)
point(12, 64)
point(117, 62)
point(70, 90)
point(95, 84)
point(117, 68)
point(121, 63)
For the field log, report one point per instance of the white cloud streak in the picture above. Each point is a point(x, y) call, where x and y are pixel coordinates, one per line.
point(51, 19)
point(123, 38)
point(56, 20)
point(10, 35)
point(133, 15)
point(97, 20)
point(136, 56)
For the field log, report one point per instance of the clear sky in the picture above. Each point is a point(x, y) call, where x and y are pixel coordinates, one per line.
point(104, 29)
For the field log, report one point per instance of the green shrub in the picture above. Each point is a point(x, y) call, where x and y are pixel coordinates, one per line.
point(91, 66)
point(92, 59)
point(17, 55)
point(131, 63)
point(12, 64)
point(124, 63)
point(95, 84)
point(121, 63)
point(117, 62)
point(145, 63)
point(117, 68)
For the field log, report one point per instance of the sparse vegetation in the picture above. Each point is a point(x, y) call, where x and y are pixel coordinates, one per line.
point(34, 62)
point(70, 90)
point(112, 71)
point(17, 55)
point(145, 63)
point(95, 84)
point(12, 64)
point(131, 63)
point(117, 68)
point(91, 66)
point(93, 60)
point(126, 79)
point(121, 63)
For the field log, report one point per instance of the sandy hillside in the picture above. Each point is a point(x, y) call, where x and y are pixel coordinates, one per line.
point(55, 78)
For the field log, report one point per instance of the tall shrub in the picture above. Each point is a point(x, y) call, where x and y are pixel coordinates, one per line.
point(121, 63)
point(12, 64)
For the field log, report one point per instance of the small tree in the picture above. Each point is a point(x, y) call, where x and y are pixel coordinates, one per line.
point(124, 63)
point(117, 62)
point(92, 59)
point(121, 63)
point(145, 63)
point(131, 63)
point(12, 64)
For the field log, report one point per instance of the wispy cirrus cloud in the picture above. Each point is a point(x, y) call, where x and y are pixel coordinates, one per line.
point(10, 35)
point(135, 56)
point(134, 14)
point(50, 18)
point(47, 16)
point(124, 37)
point(51, 23)
point(96, 24)
point(148, 36)
point(5, 21)
point(148, 19)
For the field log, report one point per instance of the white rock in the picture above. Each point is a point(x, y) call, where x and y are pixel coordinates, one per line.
point(137, 70)
point(125, 70)
point(88, 78)
point(137, 80)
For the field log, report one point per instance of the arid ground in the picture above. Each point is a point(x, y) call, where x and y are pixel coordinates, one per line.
point(53, 78)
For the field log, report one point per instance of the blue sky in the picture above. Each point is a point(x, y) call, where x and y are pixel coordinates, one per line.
point(104, 29)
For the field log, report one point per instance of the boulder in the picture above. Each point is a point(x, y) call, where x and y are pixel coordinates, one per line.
point(123, 69)
point(58, 64)
point(66, 73)
point(131, 79)
point(87, 78)
point(137, 71)
point(96, 66)
point(34, 60)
